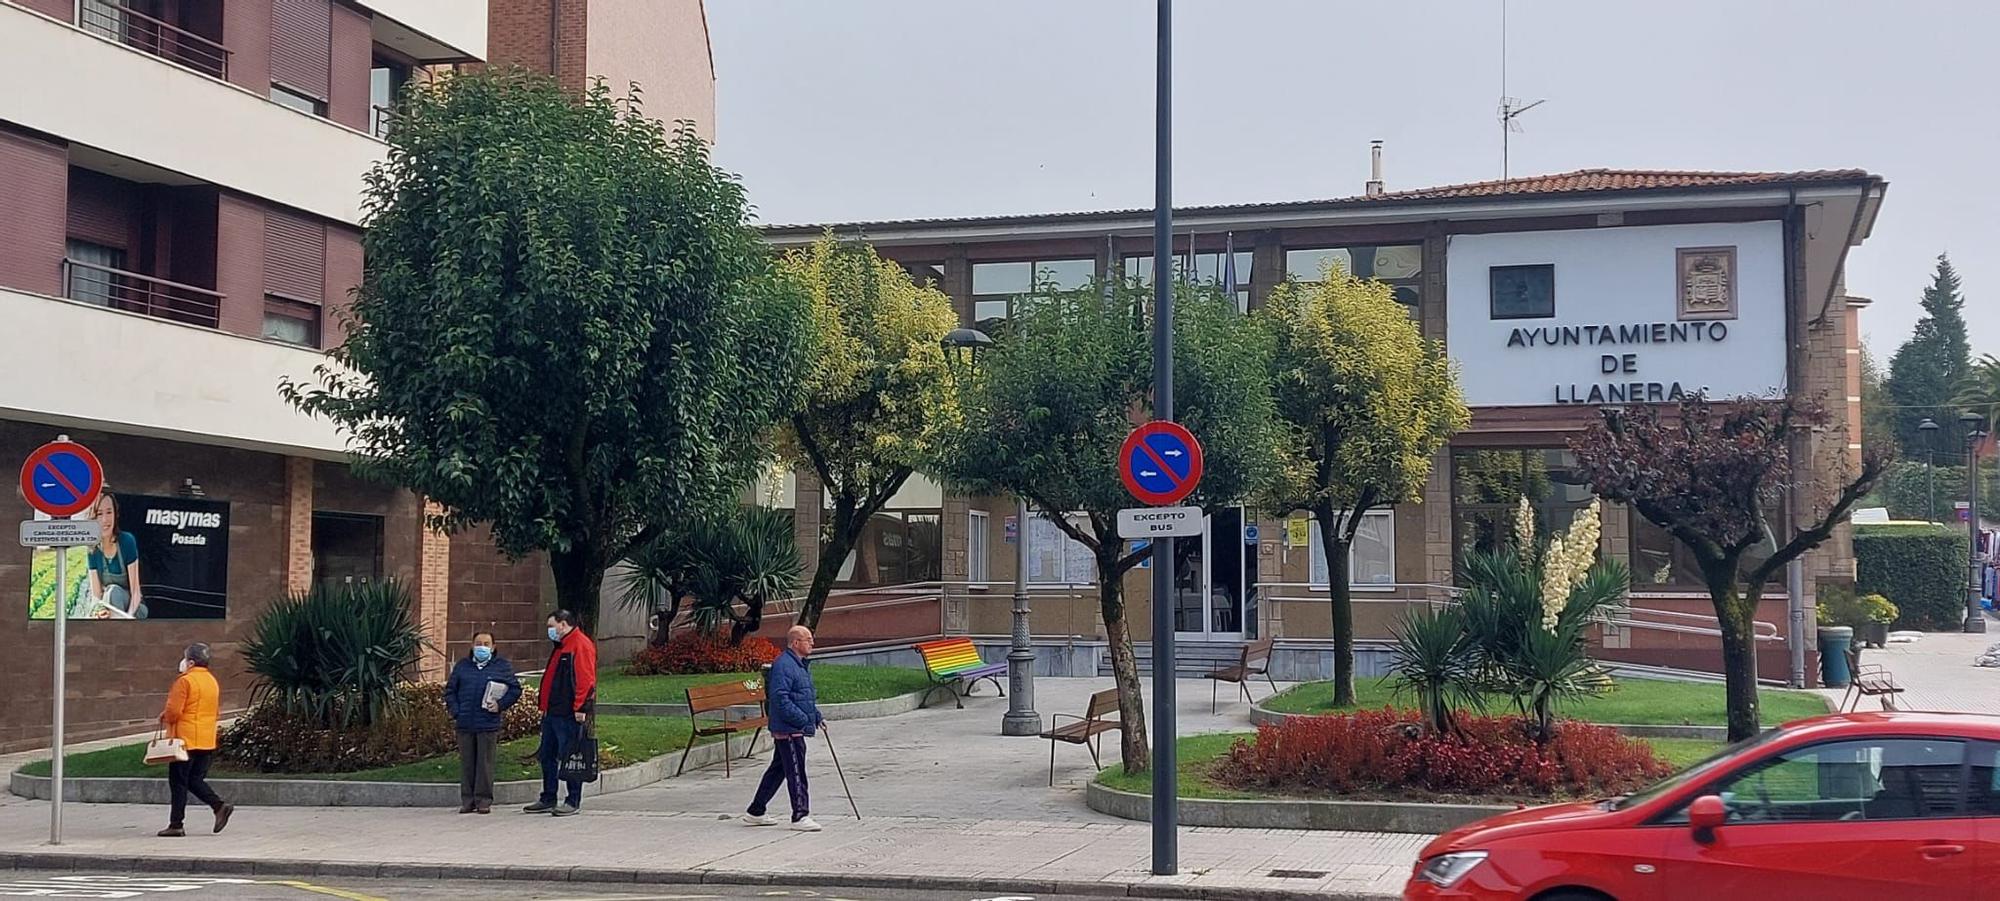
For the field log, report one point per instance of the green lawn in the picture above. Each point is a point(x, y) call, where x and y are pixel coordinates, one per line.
point(622, 741)
point(837, 684)
point(1638, 701)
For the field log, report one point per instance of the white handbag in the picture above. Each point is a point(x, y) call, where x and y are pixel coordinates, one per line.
point(165, 750)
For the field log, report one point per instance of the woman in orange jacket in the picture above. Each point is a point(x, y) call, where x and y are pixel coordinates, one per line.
point(193, 706)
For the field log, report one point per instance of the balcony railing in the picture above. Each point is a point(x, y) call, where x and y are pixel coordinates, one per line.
point(128, 26)
point(138, 293)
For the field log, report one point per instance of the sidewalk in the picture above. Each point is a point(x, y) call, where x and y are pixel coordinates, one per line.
point(1936, 672)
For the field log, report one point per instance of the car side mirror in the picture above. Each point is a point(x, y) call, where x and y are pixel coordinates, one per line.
point(1705, 815)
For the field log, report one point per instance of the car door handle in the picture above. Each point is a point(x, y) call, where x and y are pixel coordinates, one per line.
point(1934, 852)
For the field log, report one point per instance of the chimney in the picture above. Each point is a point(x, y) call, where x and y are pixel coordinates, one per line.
point(1374, 188)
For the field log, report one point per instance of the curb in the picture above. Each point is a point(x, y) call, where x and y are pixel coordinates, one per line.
point(337, 793)
point(1264, 716)
point(1346, 816)
point(55, 860)
point(851, 710)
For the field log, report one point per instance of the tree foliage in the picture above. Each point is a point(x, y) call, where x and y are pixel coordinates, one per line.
point(1707, 473)
point(1878, 415)
point(1047, 408)
point(879, 399)
point(1364, 402)
point(566, 326)
point(1979, 392)
point(744, 559)
point(1929, 368)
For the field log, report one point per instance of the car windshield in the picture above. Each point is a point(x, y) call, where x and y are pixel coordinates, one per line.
point(1694, 773)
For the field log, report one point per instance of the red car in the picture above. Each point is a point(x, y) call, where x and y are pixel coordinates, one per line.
point(1871, 806)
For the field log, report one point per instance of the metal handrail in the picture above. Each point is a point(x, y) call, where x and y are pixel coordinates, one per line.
point(165, 40)
point(137, 292)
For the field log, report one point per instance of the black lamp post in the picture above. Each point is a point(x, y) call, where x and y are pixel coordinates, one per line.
point(1930, 429)
point(964, 345)
point(1975, 432)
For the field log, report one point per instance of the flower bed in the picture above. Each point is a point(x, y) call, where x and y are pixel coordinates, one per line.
point(1385, 753)
point(414, 727)
point(690, 652)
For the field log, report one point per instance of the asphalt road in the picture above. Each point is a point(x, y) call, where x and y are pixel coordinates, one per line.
point(26, 884)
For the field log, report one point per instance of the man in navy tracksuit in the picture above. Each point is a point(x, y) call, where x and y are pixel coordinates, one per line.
point(794, 718)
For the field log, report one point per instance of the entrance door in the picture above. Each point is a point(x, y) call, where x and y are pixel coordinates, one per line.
point(1212, 578)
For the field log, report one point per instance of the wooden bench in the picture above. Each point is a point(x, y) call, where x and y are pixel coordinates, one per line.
point(1254, 661)
point(1086, 730)
point(1870, 681)
point(954, 665)
point(707, 699)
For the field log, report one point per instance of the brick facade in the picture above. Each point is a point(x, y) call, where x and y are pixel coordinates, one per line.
point(433, 595)
point(510, 598)
point(517, 34)
point(298, 525)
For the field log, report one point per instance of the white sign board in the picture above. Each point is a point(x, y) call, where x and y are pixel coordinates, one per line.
point(1645, 314)
point(59, 532)
point(1159, 522)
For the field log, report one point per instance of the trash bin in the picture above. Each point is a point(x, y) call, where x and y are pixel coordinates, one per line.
point(1834, 642)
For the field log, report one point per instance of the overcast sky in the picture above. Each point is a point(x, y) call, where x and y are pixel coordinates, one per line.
point(877, 109)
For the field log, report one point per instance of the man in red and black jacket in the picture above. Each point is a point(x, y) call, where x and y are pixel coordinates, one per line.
point(568, 698)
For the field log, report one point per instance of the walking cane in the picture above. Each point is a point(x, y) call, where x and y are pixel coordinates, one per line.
point(823, 733)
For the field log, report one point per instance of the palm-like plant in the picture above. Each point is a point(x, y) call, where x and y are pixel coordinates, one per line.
point(1430, 661)
point(1980, 392)
point(337, 655)
point(748, 559)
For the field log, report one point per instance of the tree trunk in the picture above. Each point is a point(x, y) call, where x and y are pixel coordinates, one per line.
point(579, 578)
point(1338, 574)
point(840, 539)
point(1137, 756)
point(1739, 666)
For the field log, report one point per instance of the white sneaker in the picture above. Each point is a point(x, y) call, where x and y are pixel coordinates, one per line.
point(755, 820)
point(805, 824)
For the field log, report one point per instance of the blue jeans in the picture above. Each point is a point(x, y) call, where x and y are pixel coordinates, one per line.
point(559, 734)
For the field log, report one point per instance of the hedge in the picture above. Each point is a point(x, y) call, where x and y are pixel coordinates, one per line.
point(1921, 568)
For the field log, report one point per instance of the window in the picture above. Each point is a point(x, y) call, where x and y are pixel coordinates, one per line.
point(1371, 559)
point(346, 547)
point(1872, 779)
point(311, 106)
point(385, 86)
point(88, 280)
point(1400, 266)
point(1207, 268)
point(896, 548)
point(978, 535)
point(1487, 487)
point(1054, 558)
point(931, 274)
point(1985, 782)
point(102, 18)
point(996, 285)
point(291, 322)
point(1522, 292)
point(1659, 562)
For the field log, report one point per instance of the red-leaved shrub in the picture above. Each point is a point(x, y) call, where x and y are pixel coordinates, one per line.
point(692, 652)
point(1385, 752)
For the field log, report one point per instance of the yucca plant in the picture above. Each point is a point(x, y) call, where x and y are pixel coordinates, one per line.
point(1518, 648)
point(1430, 660)
point(335, 655)
point(748, 557)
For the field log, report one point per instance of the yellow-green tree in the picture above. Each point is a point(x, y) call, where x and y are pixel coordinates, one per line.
point(1364, 402)
point(878, 394)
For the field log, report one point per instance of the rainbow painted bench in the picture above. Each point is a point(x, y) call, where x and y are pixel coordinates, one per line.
point(954, 665)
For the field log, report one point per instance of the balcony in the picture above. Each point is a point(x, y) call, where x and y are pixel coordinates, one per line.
point(120, 22)
point(136, 292)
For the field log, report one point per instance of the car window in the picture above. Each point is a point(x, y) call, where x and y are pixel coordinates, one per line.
point(1875, 779)
point(1707, 767)
point(1984, 783)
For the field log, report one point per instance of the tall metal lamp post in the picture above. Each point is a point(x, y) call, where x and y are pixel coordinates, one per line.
point(964, 345)
point(1975, 432)
point(1930, 429)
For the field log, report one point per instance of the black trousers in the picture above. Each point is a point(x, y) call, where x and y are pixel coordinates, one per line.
point(475, 766)
point(788, 768)
point(190, 776)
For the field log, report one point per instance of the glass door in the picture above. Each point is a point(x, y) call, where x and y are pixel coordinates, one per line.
point(1211, 575)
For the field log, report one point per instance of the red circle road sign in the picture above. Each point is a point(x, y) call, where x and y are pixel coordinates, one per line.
point(61, 478)
point(1160, 462)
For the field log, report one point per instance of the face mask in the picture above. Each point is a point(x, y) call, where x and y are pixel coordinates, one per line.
point(554, 635)
point(482, 653)
point(185, 663)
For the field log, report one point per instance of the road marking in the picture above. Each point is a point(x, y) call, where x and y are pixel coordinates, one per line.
point(107, 886)
point(323, 890)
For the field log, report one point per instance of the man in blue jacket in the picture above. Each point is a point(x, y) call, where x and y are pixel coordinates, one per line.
point(477, 713)
point(794, 718)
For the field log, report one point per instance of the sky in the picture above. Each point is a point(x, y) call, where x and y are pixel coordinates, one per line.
point(886, 109)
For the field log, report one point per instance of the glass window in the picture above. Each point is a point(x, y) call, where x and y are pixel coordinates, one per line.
point(1522, 292)
point(291, 321)
point(1872, 779)
point(1400, 266)
point(978, 533)
point(1371, 559)
point(996, 285)
point(1487, 486)
point(385, 85)
point(88, 280)
point(1659, 562)
point(931, 274)
point(284, 96)
point(1002, 278)
point(346, 547)
point(1207, 268)
point(1054, 558)
point(1985, 782)
point(896, 548)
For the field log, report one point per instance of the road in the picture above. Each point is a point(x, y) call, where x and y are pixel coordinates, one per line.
point(146, 887)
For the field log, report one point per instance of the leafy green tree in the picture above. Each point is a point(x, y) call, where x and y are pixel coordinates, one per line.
point(1364, 402)
point(1930, 367)
point(1980, 391)
point(1878, 416)
point(879, 399)
point(1051, 402)
point(566, 328)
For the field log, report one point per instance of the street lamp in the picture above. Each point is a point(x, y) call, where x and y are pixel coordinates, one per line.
point(1930, 428)
point(964, 345)
point(1975, 432)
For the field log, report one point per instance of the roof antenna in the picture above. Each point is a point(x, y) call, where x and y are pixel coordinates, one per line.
point(1510, 107)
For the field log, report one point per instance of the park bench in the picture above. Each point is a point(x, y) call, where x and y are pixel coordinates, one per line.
point(1086, 730)
point(709, 699)
point(1255, 660)
point(954, 665)
point(1871, 681)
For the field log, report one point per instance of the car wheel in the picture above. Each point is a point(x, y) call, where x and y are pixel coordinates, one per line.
point(1574, 895)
